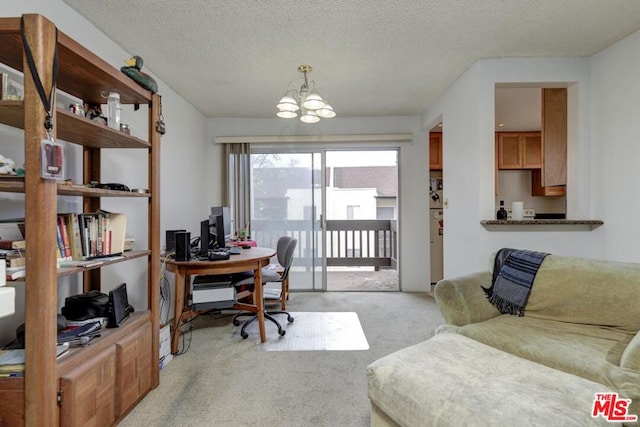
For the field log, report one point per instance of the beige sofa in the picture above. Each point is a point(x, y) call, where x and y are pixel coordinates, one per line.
point(581, 325)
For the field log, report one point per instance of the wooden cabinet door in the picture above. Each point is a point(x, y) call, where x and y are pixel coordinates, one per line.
point(531, 149)
point(134, 368)
point(554, 131)
point(537, 189)
point(89, 392)
point(508, 148)
point(435, 151)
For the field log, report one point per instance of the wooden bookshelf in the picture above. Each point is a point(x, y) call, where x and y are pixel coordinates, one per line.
point(58, 392)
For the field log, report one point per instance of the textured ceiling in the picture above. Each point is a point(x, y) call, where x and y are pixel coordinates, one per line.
point(235, 58)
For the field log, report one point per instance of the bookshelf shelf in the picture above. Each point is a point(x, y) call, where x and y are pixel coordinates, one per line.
point(16, 185)
point(72, 128)
point(55, 392)
point(127, 256)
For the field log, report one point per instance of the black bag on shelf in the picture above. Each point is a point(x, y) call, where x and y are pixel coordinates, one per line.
point(86, 306)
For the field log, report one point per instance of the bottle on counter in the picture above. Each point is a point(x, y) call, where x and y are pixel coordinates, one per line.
point(501, 215)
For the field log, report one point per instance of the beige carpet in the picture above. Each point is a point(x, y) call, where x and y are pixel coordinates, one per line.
point(230, 382)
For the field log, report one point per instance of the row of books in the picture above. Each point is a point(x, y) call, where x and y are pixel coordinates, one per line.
point(90, 235)
point(79, 236)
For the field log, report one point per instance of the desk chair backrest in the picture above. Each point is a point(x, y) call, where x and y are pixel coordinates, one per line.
point(284, 252)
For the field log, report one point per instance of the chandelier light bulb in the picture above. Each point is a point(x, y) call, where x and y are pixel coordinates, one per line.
point(326, 112)
point(287, 114)
point(313, 101)
point(288, 103)
point(309, 116)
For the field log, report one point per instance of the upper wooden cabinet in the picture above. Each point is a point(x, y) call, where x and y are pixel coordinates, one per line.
point(435, 151)
point(554, 136)
point(519, 150)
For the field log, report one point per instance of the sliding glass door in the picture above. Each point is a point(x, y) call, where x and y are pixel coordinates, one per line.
point(287, 199)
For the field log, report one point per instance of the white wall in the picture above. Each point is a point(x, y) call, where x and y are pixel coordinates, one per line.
point(183, 194)
point(615, 130)
point(467, 112)
point(413, 183)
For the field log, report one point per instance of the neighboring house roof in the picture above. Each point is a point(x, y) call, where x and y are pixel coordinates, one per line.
point(383, 178)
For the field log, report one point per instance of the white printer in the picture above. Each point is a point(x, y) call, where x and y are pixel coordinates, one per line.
point(212, 291)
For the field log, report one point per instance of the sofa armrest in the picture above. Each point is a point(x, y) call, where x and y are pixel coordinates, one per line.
point(631, 355)
point(462, 300)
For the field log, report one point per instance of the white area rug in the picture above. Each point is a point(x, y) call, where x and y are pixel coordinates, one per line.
point(313, 331)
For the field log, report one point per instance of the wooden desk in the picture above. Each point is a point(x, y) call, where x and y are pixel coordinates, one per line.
point(250, 259)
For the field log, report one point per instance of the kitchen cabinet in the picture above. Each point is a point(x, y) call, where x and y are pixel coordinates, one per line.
point(537, 189)
point(79, 388)
point(519, 150)
point(435, 151)
point(554, 136)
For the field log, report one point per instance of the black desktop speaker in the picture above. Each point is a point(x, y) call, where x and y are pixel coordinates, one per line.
point(183, 246)
point(170, 241)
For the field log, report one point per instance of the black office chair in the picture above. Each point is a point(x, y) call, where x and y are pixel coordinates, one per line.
point(284, 252)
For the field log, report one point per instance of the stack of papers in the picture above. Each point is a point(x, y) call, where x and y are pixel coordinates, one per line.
point(12, 361)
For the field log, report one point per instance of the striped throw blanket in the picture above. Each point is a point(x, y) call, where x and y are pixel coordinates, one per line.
point(513, 274)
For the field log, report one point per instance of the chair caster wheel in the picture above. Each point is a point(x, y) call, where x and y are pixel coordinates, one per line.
point(282, 332)
point(290, 319)
point(236, 322)
point(244, 336)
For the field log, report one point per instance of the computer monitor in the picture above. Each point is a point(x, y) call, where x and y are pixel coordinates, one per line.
point(225, 226)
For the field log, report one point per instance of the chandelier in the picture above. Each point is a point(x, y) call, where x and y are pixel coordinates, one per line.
point(310, 104)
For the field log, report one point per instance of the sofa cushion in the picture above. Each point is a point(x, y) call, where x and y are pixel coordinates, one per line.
point(586, 291)
point(451, 380)
point(591, 352)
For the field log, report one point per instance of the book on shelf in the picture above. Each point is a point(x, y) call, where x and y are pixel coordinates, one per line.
point(85, 263)
point(73, 227)
point(12, 361)
point(64, 233)
point(13, 244)
point(73, 334)
point(60, 256)
point(14, 273)
point(12, 230)
point(102, 233)
point(13, 258)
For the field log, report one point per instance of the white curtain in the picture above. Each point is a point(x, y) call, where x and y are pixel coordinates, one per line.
point(236, 190)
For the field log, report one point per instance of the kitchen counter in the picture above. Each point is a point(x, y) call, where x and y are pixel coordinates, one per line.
point(541, 224)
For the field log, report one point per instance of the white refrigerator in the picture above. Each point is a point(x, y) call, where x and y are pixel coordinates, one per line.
point(436, 230)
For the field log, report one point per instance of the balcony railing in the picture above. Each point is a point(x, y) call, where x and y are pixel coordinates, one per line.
point(348, 243)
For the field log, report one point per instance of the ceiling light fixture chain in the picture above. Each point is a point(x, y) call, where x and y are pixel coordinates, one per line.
point(311, 105)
